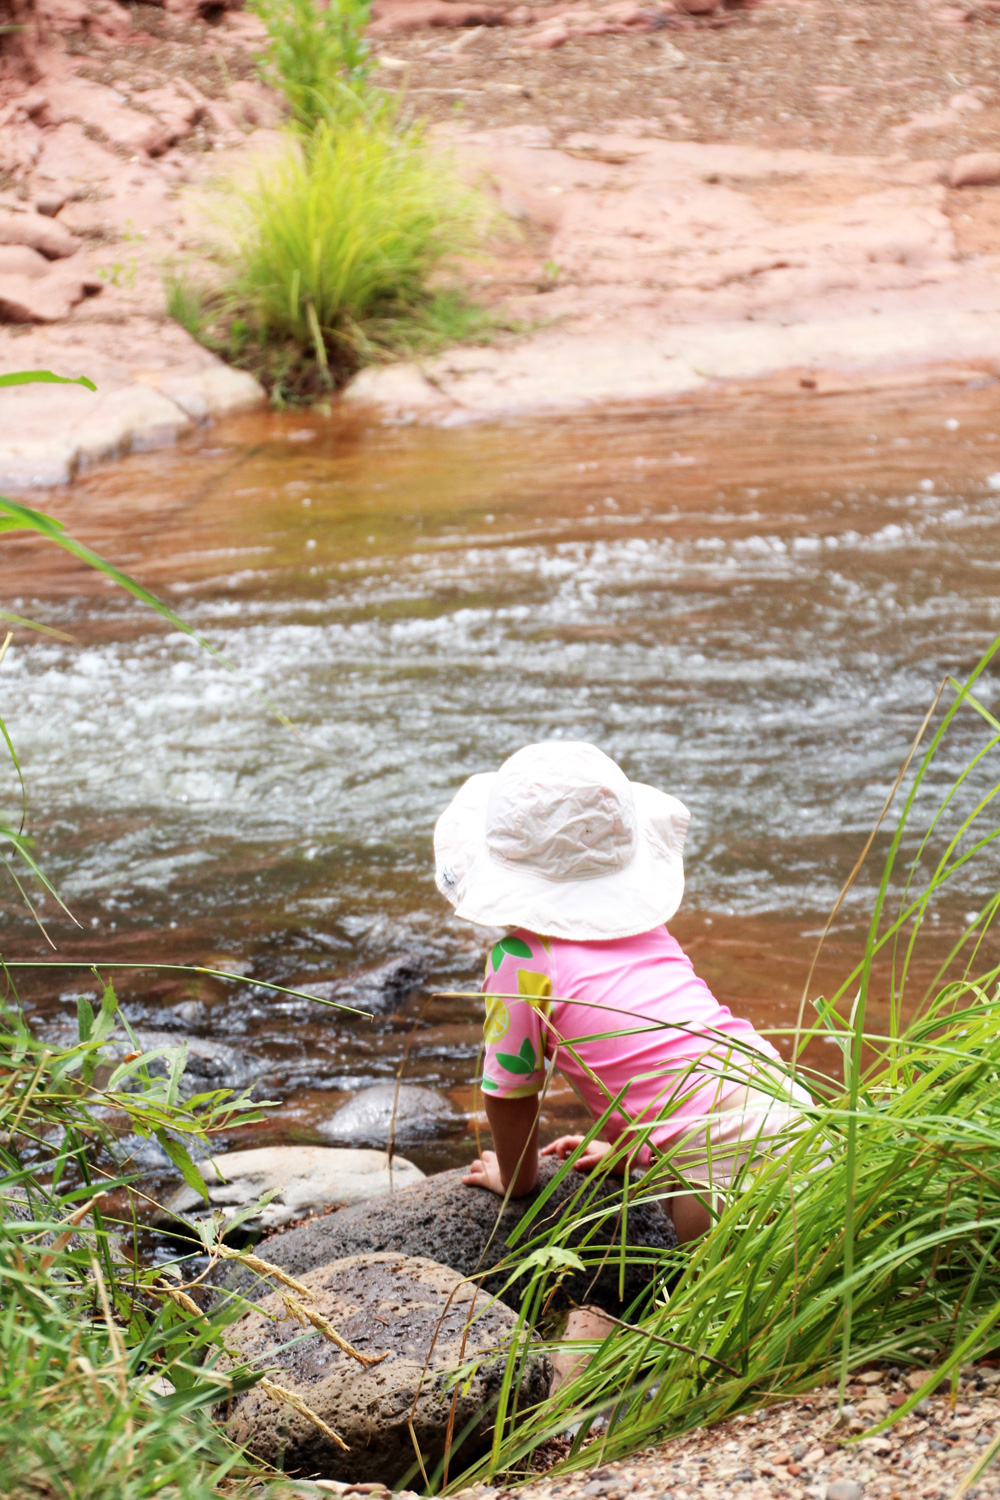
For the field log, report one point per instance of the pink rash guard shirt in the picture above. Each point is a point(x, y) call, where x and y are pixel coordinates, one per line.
point(548, 999)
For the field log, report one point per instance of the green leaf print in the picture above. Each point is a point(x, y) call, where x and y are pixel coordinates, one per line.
point(516, 947)
point(489, 1085)
point(525, 1062)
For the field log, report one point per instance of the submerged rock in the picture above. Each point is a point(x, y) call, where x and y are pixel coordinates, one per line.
point(210, 1064)
point(379, 989)
point(303, 1179)
point(427, 1321)
point(463, 1228)
point(402, 1112)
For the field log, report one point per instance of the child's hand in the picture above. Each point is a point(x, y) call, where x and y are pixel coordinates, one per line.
point(567, 1144)
point(485, 1173)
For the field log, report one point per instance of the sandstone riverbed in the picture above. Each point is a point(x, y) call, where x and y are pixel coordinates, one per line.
point(803, 196)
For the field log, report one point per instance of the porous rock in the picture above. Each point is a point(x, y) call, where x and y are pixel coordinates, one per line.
point(426, 1320)
point(402, 1112)
point(467, 1229)
point(303, 1179)
point(978, 169)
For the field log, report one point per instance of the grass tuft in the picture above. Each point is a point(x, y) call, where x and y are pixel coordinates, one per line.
point(339, 256)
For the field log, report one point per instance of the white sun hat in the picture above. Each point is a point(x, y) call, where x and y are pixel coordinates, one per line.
point(561, 842)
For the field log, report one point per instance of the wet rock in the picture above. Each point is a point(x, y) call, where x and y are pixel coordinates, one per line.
point(417, 1311)
point(380, 989)
point(388, 1111)
point(978, 169)
point(48, 237)
point(210, 1064)
point(464, 1228)
point(303, 1180)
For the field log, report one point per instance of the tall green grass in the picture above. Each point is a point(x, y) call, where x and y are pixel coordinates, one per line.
point(874, 1238)
point(317, 57)
point(337, 247)
point(346, 249)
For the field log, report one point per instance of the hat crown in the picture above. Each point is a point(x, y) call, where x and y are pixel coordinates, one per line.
point(563, 809)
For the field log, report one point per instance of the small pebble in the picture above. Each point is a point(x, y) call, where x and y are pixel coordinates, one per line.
point(844, 1489)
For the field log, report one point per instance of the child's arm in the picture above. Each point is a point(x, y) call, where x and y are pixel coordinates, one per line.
point(514, 1164)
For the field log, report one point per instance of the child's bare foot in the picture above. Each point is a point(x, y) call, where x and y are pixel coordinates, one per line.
point(484, 1172)
point(582, 1323)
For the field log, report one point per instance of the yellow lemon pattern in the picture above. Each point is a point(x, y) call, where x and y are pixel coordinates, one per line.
point(536, 988)
point(514, 1062)
point(497, 1022)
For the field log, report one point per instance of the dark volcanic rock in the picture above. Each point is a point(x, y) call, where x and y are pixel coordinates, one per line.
point(427, 1320)
point(379, 989)
point(402, 1112)
point(458, 1226)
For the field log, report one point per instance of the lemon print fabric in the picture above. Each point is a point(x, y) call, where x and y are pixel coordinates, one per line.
point(534, 987)
point(514, 946)
point(514, 1031)
point(497, 1023)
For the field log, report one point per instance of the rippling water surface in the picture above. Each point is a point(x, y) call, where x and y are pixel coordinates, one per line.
point(751, 606)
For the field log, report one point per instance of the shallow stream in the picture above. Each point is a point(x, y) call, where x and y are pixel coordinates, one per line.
point(750, 604)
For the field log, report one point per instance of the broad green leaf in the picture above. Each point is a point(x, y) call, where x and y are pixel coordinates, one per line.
point(84, 1017)
point(106, 1020)
point(181, 1159)
point(45, 377)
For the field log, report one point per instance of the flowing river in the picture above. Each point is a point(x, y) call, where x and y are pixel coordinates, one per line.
point(750, 604)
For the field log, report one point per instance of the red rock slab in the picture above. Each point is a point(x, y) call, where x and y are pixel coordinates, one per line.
point(47, 236)
point(978, 169)
point(21, 260)
point(395, 17)
point(28, 299)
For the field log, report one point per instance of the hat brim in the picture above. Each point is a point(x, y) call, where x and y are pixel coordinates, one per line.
point(643, 895)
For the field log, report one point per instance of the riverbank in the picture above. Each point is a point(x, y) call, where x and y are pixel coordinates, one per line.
point(797, 196)
point(795, 1450)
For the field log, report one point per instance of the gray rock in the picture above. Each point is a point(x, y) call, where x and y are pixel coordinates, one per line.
point(458, 1226)
point(210, 1064)
point(428, 1320)
point(303, 1179)
point(379, 989)
point(402, 1113)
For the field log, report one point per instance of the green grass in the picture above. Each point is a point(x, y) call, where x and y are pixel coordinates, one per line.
point(876, 1238)
point(317, 57)
point(340, 255)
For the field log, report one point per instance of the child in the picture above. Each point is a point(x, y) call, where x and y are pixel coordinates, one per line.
point(584, 868)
